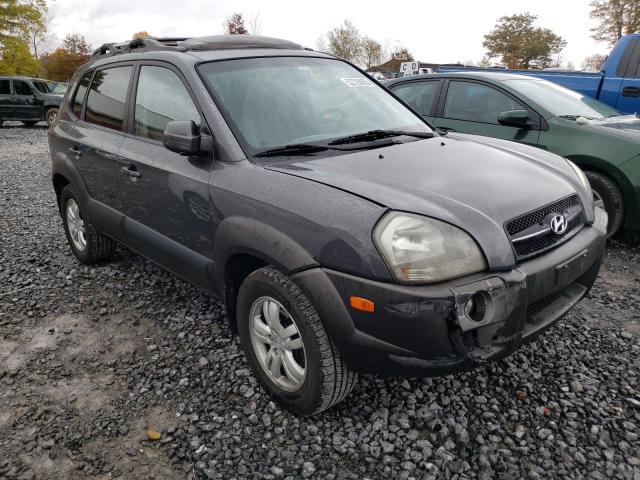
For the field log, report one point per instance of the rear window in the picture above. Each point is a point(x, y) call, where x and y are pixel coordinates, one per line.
point(107, 96)
point(22, 88)
point(81, 92)
point(5, 87)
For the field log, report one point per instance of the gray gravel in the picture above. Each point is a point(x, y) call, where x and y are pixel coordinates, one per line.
point(91, 358)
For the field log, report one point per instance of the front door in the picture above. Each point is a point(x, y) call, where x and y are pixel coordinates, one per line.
point(25, 103)
point(163, 191)
point(473, 107)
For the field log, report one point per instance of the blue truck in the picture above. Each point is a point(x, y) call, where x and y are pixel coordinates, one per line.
point(618, 84)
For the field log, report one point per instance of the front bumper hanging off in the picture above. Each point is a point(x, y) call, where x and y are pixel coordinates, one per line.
point(456, 325)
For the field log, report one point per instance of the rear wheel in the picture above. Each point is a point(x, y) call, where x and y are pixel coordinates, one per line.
point(606, 190)
point(51, 116)
point(287, 345)
point(87, 244)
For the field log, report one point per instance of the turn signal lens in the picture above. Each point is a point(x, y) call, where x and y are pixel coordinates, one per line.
point(362, 304)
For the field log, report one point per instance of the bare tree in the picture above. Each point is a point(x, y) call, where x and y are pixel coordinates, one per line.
point(321, 45)
point(371, 52)
point(593, 63)
point(255, 24)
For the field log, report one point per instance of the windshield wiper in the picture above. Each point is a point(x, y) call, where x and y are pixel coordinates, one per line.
point(294, 149)
point(378, 134)
point(575, 117)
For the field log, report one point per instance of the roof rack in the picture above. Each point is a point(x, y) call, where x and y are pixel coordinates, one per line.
point(184, 44)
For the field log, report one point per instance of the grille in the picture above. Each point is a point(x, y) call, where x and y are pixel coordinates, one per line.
point(525, 221)
point(539, 244)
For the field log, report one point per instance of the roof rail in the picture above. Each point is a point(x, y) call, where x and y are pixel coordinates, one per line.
point(184, 44)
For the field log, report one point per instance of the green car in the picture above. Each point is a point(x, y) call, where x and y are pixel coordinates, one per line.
point(604, 142)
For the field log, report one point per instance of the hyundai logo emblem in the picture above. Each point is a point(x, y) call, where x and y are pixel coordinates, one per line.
point(558, 224)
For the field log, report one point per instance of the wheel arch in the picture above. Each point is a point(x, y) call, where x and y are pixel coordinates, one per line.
point(603, 167)
point(243, 245)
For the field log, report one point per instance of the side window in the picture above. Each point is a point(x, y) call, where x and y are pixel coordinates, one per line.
point(81, 91)
point(161, 97)
point(476, 102)
point(107, 97)
point(5, 87)
point(22, 88)
point(419, 95)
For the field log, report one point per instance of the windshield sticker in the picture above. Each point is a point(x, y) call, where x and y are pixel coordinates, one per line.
point(356, 82)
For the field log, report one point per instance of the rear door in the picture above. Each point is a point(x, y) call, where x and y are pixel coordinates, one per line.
point(469, 106)
point(98, 109)
point(25, 103)
point(5, 98)
point(161, 190)
point(629, 94)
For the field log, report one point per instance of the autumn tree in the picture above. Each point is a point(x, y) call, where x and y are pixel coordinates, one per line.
point(141, 34)
point(615, 19)
point(345, 41)
point(520, 44)
point(16, 58)
point(234, 25)
point(593, 63)
point(371, 52)
point(19, 18)
point(64, 61)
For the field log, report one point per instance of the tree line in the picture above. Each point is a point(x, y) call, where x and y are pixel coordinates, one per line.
point(515, 41)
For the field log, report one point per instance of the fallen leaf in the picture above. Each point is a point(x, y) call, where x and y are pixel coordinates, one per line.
point(153, 435)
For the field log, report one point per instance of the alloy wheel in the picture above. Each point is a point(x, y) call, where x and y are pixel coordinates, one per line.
point(277, 343)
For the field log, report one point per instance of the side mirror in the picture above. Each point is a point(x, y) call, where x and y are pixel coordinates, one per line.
point(514, 118)
point(182, 136)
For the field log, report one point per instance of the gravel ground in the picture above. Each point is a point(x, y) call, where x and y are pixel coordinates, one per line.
point(91, 358)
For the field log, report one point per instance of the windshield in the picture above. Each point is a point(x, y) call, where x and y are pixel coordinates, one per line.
point(49, 87)
point(272, 102)
point(561, 101)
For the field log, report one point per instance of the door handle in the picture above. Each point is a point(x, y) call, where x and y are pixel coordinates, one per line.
point(131, 171)
point(631, 92)
point(75, 151)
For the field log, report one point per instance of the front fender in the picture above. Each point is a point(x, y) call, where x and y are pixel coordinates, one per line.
point(243, 235)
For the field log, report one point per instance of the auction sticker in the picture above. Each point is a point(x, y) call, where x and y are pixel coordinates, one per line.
point(356, 82)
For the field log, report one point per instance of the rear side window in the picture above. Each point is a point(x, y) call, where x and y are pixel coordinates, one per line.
point(161, 98)
point(419, 95)
point(22, 88)
point(107, 96)
point(5, 87)
point(81, 91)
point(476, 102)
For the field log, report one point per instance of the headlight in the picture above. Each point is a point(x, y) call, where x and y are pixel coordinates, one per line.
point(583, 178)
point(423, 250)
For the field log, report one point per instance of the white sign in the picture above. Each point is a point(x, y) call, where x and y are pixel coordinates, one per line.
point(409, 68)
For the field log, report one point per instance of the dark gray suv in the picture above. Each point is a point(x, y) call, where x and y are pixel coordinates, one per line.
point(29, 100)
point(343, 233)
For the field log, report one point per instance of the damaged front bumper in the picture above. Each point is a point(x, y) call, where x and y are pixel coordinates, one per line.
point(454, 326)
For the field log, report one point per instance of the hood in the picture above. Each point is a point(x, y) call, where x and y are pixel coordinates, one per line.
point(627, 126)
point(475, 183)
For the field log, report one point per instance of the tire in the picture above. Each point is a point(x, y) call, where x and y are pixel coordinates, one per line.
point(97, 246)
point(30, 124)
point(50, 116)
point(327, 380)
point(606, 189)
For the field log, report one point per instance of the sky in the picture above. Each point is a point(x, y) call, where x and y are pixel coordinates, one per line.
point(434, 31)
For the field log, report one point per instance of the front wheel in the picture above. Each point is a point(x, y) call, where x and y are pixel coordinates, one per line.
point(51, 116)
point(606, 190)
point(287, 345)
